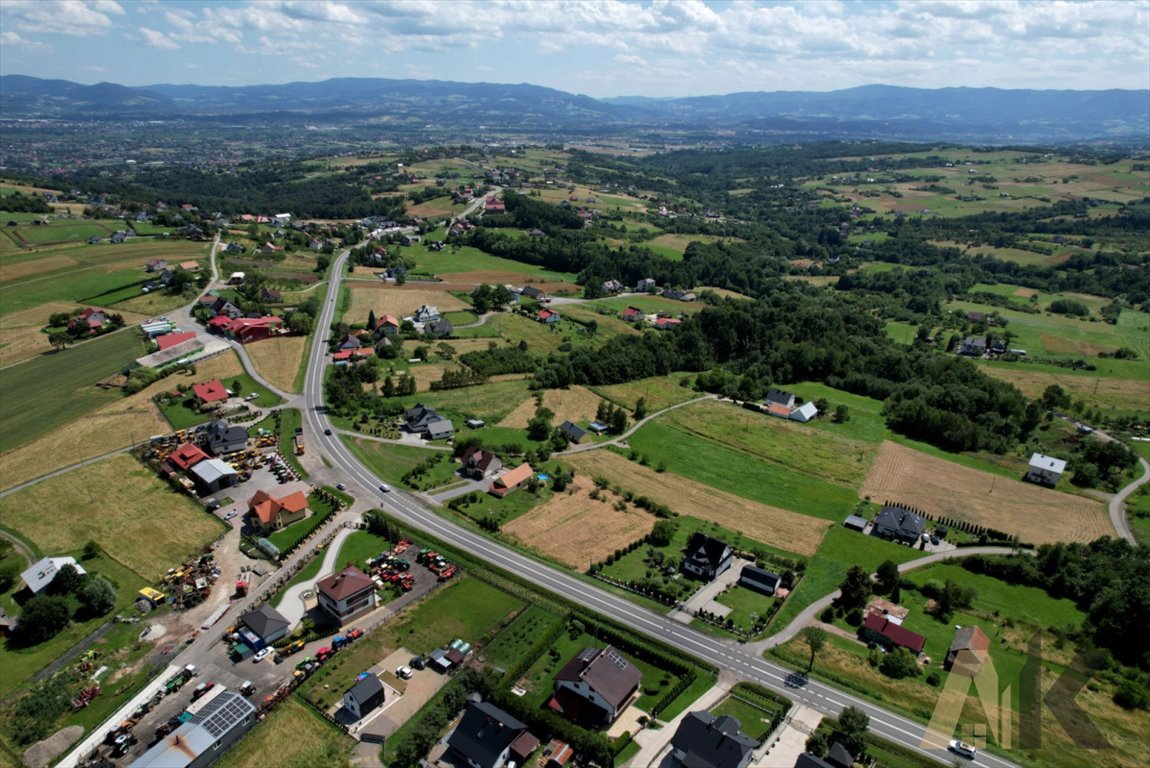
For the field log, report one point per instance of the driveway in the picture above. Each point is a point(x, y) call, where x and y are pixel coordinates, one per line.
point(705, 598)
point(292, 605)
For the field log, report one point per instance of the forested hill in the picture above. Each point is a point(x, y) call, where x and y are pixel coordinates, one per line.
point(875, 111)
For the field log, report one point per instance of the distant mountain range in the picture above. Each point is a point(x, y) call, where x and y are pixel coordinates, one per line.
point(875, 111)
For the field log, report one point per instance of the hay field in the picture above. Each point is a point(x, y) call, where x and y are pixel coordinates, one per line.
point(776, 527)
point(659, 391)
point(20, 332)
point(425, 374)
point(575, 529)
point(941, 488)
point(458, 280)
point(401, 302)
point(578, 404)
point(133, 515)
point(108, 428)
point(278, 359)
point(1094, 390)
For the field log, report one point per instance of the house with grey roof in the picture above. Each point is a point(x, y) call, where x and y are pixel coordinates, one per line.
point(488, 737)
point(705, 741)
point(205, 737)
point(363, 697)
point(895, 523)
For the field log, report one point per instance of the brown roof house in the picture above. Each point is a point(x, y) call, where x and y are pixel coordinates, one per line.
point(595, 687)
point(968, 650)
point(478, 463)
point(346, 594)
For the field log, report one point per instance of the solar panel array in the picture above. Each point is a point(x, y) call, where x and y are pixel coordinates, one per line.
point(223, 712)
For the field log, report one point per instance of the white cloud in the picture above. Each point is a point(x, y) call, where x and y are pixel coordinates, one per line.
point(61, 17)
point(154, 39)
point(13, 40)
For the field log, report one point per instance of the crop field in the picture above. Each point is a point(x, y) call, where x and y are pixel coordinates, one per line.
point(672, 246)
point(658, 391)
point(577, 404)
point(577, 530)
point(278, 360)
point(384, 298)
point(942, 488)
point(296, 735)
point(120, 504)
point(1093, 390)
point(780, 528)
point(99, 429)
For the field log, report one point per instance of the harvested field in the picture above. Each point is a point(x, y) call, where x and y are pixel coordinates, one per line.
point(425, 374)
point(1056, 345)
point(726, 293)
point(278, 359)
point(780, 528)
point(401, 302)
point(1095, 391)
point(575, 529)
point(34, 267)
point(1024, 293)
point(944, 489)
point(577, 404)
point(108, 428)
point(137, 518)
point(496, 277)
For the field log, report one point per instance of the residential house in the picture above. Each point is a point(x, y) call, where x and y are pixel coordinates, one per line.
point(440, 329)
point(410, 240)
point(209, 392)
point(633, 315)
point(212, 475)
point(782, 398)
point(223, 438)
point(426, 314)
point(548, 316)
point(155, 265)
point(265, 626)
point(185, 457)
point(646, 285)
point(270, 247)
point(612, 286)
point(705, 741)
point(706, 556)
point(416, 419)
point(511, 480)
point(488, 737)
point(205, 737)
point(573, 431)
point(804, 412)
point(271, 513)
point(351, 342)
point(969, 649)
point(234, 249)
point(248, 329)
point(440, 429)
point(271, 296)
point(120, 236)
point(346, 594)
point(41, 573)
point(973, 346)
point(839, 756)
point(1045, 470)
point(91, 320)
point(531, 292)
point(347, 356)
point(364, 697)
point(677, 295)
point(493, 205)
point(595, 687)
point(221, 307)
point(388, 325)
point(537, 233)
point(478, 463)
point(189, 266)
point(667, 323)
point(896, 523)
point(760, 580)
point(890, 634)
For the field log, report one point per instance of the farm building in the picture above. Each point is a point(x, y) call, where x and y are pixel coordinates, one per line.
point(760, 580)
point(41, 573)
point(895, 523)
point(265, 625)
point(208, 392)
point(559, 754)
point(346, 594)
point(223, 438)
point(170, 355)
point(478, 463)
point(595, 687)
point(475, 423)
point(968, 650)
point(271, 513)
point(185, 456)
point(706, 556)
point(348, 356)
point(488, 737)
point(511, 480)
point(169, 340)
point(573, 431)
point(780, 397)
point(156, 328)
point(855, 523)
point(364, 696)
point(705, 741)
point(804, 412)
point(598, 427)
point(203, 739)
point(887, 633)
point(211, 475)
point(1045, 470)
point(248, 329)
point(531, 292)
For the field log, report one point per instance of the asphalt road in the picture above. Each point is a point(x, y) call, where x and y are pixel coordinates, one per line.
point(721, 653)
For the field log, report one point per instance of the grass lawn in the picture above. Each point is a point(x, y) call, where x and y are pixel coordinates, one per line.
point(517, 639)
point(504, 510)
point(182, 413)
point(358, 547)
point(307, 573)
point(286, 538)
point(1138, 514)
point(1029, 605)
point(139, 520)
point(745, 604)
point(903, 333)
point(755, 707)
point(296, 735)
point(21, 663)
point(49, 391)
point(392, 462)
point(705, 461)
point(658, 391)
point(453, 260)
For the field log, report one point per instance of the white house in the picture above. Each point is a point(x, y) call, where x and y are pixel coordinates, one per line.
point(364, 696)
point(1045, 470)
point(41, 573)
point(805, 412)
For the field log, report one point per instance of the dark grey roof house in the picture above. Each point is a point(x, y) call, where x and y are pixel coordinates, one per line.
point(760, 579)
point(896, 523)
point(223, 438)
point(706, 741)
point(364, 696)
point(440, 329)
point(839, 757)
point(267, 623)
point(487, 737)
point(706, 557)
point(573, 431)
point(781, 397)
point(595, 686)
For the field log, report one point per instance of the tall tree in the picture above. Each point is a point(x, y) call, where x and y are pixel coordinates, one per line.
point(816, 638)
point(855, 588)
point(851, 731)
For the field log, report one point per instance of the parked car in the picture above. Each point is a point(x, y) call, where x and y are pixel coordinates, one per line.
point(262, 654)
point(341, 486)
point(201, 689)
point(418, 662)
point(964, 749)
point(230, 515)
point(404, 672)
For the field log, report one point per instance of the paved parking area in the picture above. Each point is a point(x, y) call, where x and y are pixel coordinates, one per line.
point(705, 598)
point(403, 698)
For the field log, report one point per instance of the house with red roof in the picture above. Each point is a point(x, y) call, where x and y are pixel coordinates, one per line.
point(248, 329)
point(494, 205)
point(890, 634)
point(169, 340)
point(633, 315)
point(271, 513)
point(548, 316)
point(185, 456)
point(189, 266)
point(667, 323)
point(349, 356)
point(208, 392)
point(511, 480)
point(91, 320)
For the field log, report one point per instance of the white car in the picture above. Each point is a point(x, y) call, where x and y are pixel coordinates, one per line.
point(385, 488)
point(262, 654)
point(404, 672)
point(230, 515)
point(962, 748)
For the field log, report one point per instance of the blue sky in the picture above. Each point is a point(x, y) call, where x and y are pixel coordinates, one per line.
point(597, 47)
